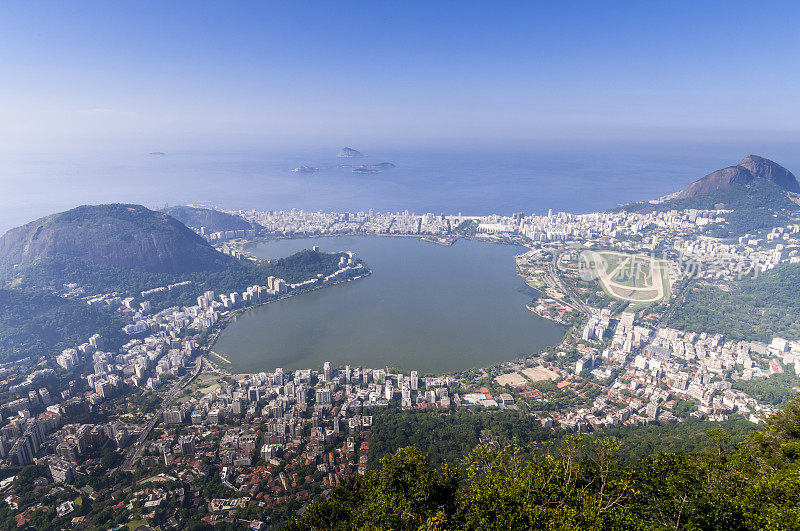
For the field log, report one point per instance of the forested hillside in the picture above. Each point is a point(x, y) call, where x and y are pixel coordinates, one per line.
point(755, 206)
point(755, 309)
point(37, 322)
point(581, 484)
point(40, 323)
point(448, 437)
point(115, 236)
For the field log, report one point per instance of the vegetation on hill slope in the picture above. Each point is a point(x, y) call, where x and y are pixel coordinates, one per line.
point(33, 324)
point(585, 485)
point(449, 436)
point(298, 267)
point(237, 275)
point(130, 249)
point(757, 205)
point(124, 237)
point(756, 309)
point(36, 322)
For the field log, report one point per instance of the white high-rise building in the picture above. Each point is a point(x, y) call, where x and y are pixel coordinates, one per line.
point(68, 358)
point(323, 397)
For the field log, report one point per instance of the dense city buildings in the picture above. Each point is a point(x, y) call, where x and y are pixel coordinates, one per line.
point(163, 406)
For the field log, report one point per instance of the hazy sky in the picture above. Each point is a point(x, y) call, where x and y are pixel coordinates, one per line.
point(192, 74)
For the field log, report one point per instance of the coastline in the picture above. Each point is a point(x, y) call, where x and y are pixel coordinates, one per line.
point(249, 243)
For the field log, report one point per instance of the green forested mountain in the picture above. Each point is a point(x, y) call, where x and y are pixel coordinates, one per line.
point(757, 191)
point(129, 248)
point(106, 237)
point(581, 484)
point(115, 248)
point(755, 205)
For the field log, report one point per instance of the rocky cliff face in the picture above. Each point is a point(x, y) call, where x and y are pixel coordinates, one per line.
point(762, 168)
point(749, 169)
point(717, 180)
point(119, 236)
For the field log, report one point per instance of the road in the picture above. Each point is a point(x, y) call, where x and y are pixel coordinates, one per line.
point(136, 450)
point(559, 284)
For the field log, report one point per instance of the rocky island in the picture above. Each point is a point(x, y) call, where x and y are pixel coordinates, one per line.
point(369, 168)
point(347, 152)
point(305, 169)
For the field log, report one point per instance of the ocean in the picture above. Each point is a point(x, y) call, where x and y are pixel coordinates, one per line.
point(471, 179)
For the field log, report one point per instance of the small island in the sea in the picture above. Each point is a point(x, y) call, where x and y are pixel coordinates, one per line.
point(305, 169)
point(368, 168)
point(347, 152)
point(157, 154)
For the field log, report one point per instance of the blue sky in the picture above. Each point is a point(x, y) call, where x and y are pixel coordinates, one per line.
point(194, 74)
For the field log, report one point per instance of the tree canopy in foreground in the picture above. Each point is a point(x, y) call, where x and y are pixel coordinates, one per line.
point(581, 484)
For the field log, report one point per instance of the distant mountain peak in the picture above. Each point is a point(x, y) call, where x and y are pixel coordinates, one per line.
point(750, 168)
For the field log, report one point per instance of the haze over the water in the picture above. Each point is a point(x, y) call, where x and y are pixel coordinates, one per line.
point(501, 108)
point(472, 179)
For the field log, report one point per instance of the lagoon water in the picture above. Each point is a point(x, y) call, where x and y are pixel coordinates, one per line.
point(425, 307)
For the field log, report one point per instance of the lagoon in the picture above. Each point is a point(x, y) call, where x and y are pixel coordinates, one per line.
point(425, 307)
